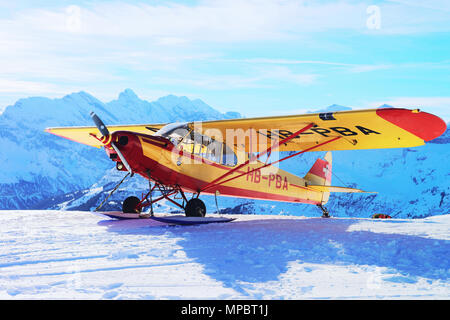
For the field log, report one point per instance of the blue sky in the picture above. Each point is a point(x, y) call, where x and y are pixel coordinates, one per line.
point(258, 57)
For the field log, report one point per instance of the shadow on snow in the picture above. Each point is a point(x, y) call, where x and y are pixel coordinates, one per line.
point(260, 250)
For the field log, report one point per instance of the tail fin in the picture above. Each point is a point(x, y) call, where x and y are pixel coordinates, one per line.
point(320, 174)
point(319, 179)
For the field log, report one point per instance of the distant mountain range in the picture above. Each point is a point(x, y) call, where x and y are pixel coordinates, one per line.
point(38, 165)
point(44, 171)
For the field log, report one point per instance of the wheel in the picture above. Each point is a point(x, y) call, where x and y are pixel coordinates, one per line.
point(129, 205)
point(195, 208)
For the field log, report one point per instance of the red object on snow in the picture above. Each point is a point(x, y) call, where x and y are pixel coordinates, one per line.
point(381, 216)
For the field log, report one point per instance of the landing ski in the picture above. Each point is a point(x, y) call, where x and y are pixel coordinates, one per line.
point(183, 220)
point(169, 219)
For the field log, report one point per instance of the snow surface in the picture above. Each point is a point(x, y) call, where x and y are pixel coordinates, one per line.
point(83, 255)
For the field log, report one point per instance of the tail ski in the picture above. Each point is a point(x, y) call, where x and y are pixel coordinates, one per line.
point(319, 178)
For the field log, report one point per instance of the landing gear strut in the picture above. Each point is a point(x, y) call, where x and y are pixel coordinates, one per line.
point(325, 213)
point(192, 208)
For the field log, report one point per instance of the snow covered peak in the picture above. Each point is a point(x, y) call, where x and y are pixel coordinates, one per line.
point(172, 100)
point(336, 107)
point(232, 115)
point(332, 108)
point(81, 95)
point(128, 95)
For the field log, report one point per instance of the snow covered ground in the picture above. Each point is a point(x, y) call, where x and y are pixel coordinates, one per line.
point(82, 255)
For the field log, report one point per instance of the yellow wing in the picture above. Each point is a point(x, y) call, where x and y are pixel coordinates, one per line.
point(84, 134)
point(360, 129)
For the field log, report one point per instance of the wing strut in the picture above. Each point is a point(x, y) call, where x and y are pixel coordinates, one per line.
point(253, 158)
point(274, 162)
point(115, 188)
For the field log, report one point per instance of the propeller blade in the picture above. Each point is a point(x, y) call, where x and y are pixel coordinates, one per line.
point(105, 133)
point(100, 125)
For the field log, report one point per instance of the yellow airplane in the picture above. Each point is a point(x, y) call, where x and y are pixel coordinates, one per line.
point(235, 157)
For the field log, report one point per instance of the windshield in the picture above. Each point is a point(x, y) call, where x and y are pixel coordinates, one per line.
point(195, 143)
point(175, 132)
point(208, 148)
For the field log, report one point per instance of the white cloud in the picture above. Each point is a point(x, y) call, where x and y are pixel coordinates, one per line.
point(103, 45)
point(211, 82)
point(414, 17)
point(11, 90)
point(440, 5)
point(288, 61)
point(225, 21)
point(18, 86)
point(221, 21)
point(283, 74)
point(356, 68)
point(258, 77)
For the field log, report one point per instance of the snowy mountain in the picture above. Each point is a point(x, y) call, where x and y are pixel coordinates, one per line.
point(38, 165)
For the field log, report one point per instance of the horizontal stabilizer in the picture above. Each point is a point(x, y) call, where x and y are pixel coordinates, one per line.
point(336, 189)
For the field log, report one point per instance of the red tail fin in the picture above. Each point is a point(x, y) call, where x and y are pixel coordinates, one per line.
point(320, 173)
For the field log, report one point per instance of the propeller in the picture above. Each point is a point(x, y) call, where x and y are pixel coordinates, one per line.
point(100, 125)
point(105, 133)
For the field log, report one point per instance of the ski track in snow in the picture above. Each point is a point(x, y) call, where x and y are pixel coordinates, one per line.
point(82, 255)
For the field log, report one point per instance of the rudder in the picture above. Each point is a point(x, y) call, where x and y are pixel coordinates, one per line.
point(321, 173)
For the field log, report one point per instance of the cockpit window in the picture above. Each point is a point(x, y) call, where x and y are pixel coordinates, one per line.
point(193, 142)
point(175, 132)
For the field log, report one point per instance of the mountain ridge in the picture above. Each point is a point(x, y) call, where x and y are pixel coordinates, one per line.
point(40, 165)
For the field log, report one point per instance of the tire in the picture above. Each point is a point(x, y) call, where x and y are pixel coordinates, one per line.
point(195, 208)
point(129, 205)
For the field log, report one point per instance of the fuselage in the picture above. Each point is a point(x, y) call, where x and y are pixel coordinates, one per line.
point(170, 165)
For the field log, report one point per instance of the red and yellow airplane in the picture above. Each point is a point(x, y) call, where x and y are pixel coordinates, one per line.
point(235, 157)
